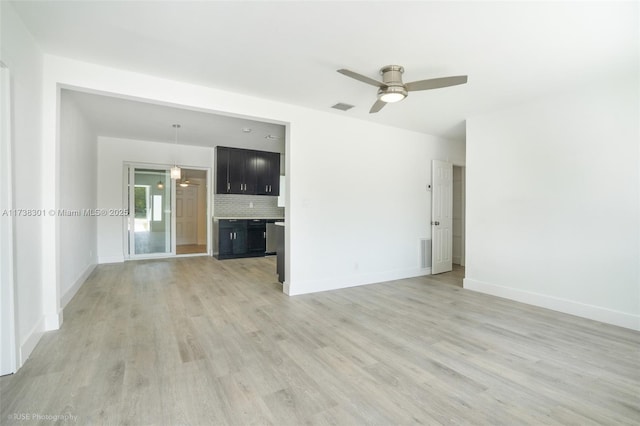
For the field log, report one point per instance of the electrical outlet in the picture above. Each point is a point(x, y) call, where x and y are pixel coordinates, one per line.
point(251, 204)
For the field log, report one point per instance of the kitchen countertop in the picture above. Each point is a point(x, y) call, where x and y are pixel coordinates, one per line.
point(247, 218)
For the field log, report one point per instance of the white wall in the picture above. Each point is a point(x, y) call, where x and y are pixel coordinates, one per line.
point(359, 200)
point(113, 153)
point(78, 185)
point(374, 176)
point(553, 215)
point(25, 61)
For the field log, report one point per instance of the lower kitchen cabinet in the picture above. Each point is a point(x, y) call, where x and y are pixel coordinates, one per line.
point(256, 236)
point(232, 238)
point(240, 238)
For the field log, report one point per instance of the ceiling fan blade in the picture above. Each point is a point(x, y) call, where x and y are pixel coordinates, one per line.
point(362, 78)
point(436, 83)
point(377, 106)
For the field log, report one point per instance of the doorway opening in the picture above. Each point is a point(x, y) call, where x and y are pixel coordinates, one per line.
point(448, 220)
point(167, 217)
point(191, 212)
point(458, 214)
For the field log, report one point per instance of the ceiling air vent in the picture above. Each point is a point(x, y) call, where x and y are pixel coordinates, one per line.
point(342, 107)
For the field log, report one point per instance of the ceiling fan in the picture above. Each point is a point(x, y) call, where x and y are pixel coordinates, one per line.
point(392, 89)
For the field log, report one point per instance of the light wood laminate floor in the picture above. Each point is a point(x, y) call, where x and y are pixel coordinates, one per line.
point(197, 341)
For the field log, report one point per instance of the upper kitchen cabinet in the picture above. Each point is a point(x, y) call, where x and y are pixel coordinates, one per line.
point(223, 184)
point(244, 171)
point(268, 173)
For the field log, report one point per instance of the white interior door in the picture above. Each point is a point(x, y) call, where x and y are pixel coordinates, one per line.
point(441, 216)
point(186, 215)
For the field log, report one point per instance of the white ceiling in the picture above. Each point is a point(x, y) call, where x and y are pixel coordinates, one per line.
point(129, 119)
point(290, 51)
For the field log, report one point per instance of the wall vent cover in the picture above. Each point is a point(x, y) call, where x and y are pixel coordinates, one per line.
point(425, 253)
point(342, 107)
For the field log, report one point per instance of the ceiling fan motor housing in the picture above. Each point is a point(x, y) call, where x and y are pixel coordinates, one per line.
point(392, 75)
point(392, 78)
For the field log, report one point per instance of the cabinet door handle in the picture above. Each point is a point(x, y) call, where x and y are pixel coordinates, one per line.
point(231, 235)
point(264, 234)
point(228, 186)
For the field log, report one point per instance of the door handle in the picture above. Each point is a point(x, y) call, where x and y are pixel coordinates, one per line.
point(435, 223)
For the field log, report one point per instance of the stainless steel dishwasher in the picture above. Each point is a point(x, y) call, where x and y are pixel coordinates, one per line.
point(272, 242)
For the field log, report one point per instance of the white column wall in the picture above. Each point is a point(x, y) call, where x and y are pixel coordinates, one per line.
point(78, 186)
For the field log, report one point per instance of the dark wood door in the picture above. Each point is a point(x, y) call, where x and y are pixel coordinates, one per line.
point(240, 240)
point(222, 170)
point(225, 242)
point(268, 169)
point(256, 236)
point(250, 174)
point(274, 173)
point(236, 171)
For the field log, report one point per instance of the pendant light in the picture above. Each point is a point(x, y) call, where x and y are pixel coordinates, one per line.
point(175, 170)
point(184, 182)
point(160, 185)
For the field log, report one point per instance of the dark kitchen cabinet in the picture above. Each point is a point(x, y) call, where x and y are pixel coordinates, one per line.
point(268, 173)
point(244, 171)
point(223, 184)
point(241, 238)
point(232, 238)
point(256, 236)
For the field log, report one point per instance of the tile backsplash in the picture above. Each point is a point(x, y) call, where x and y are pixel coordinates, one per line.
point(232, 205)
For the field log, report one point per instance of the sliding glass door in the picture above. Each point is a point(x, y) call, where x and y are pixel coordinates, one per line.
point(150, 199)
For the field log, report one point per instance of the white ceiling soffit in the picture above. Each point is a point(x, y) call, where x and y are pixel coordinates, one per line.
point(290, 51)
point(129, 119)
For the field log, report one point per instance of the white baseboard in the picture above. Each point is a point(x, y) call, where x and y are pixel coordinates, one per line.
point(110, 259)
point(53, 321)
point(30, 342)
point(336, 283)
point(76, 286)
point(597, 313)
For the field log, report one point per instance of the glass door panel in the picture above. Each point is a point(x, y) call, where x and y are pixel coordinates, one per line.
point(150, 220)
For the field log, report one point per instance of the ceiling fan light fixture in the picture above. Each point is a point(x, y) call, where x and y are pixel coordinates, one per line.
point(392, 89)
point(392, 97)
point(392, 94)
